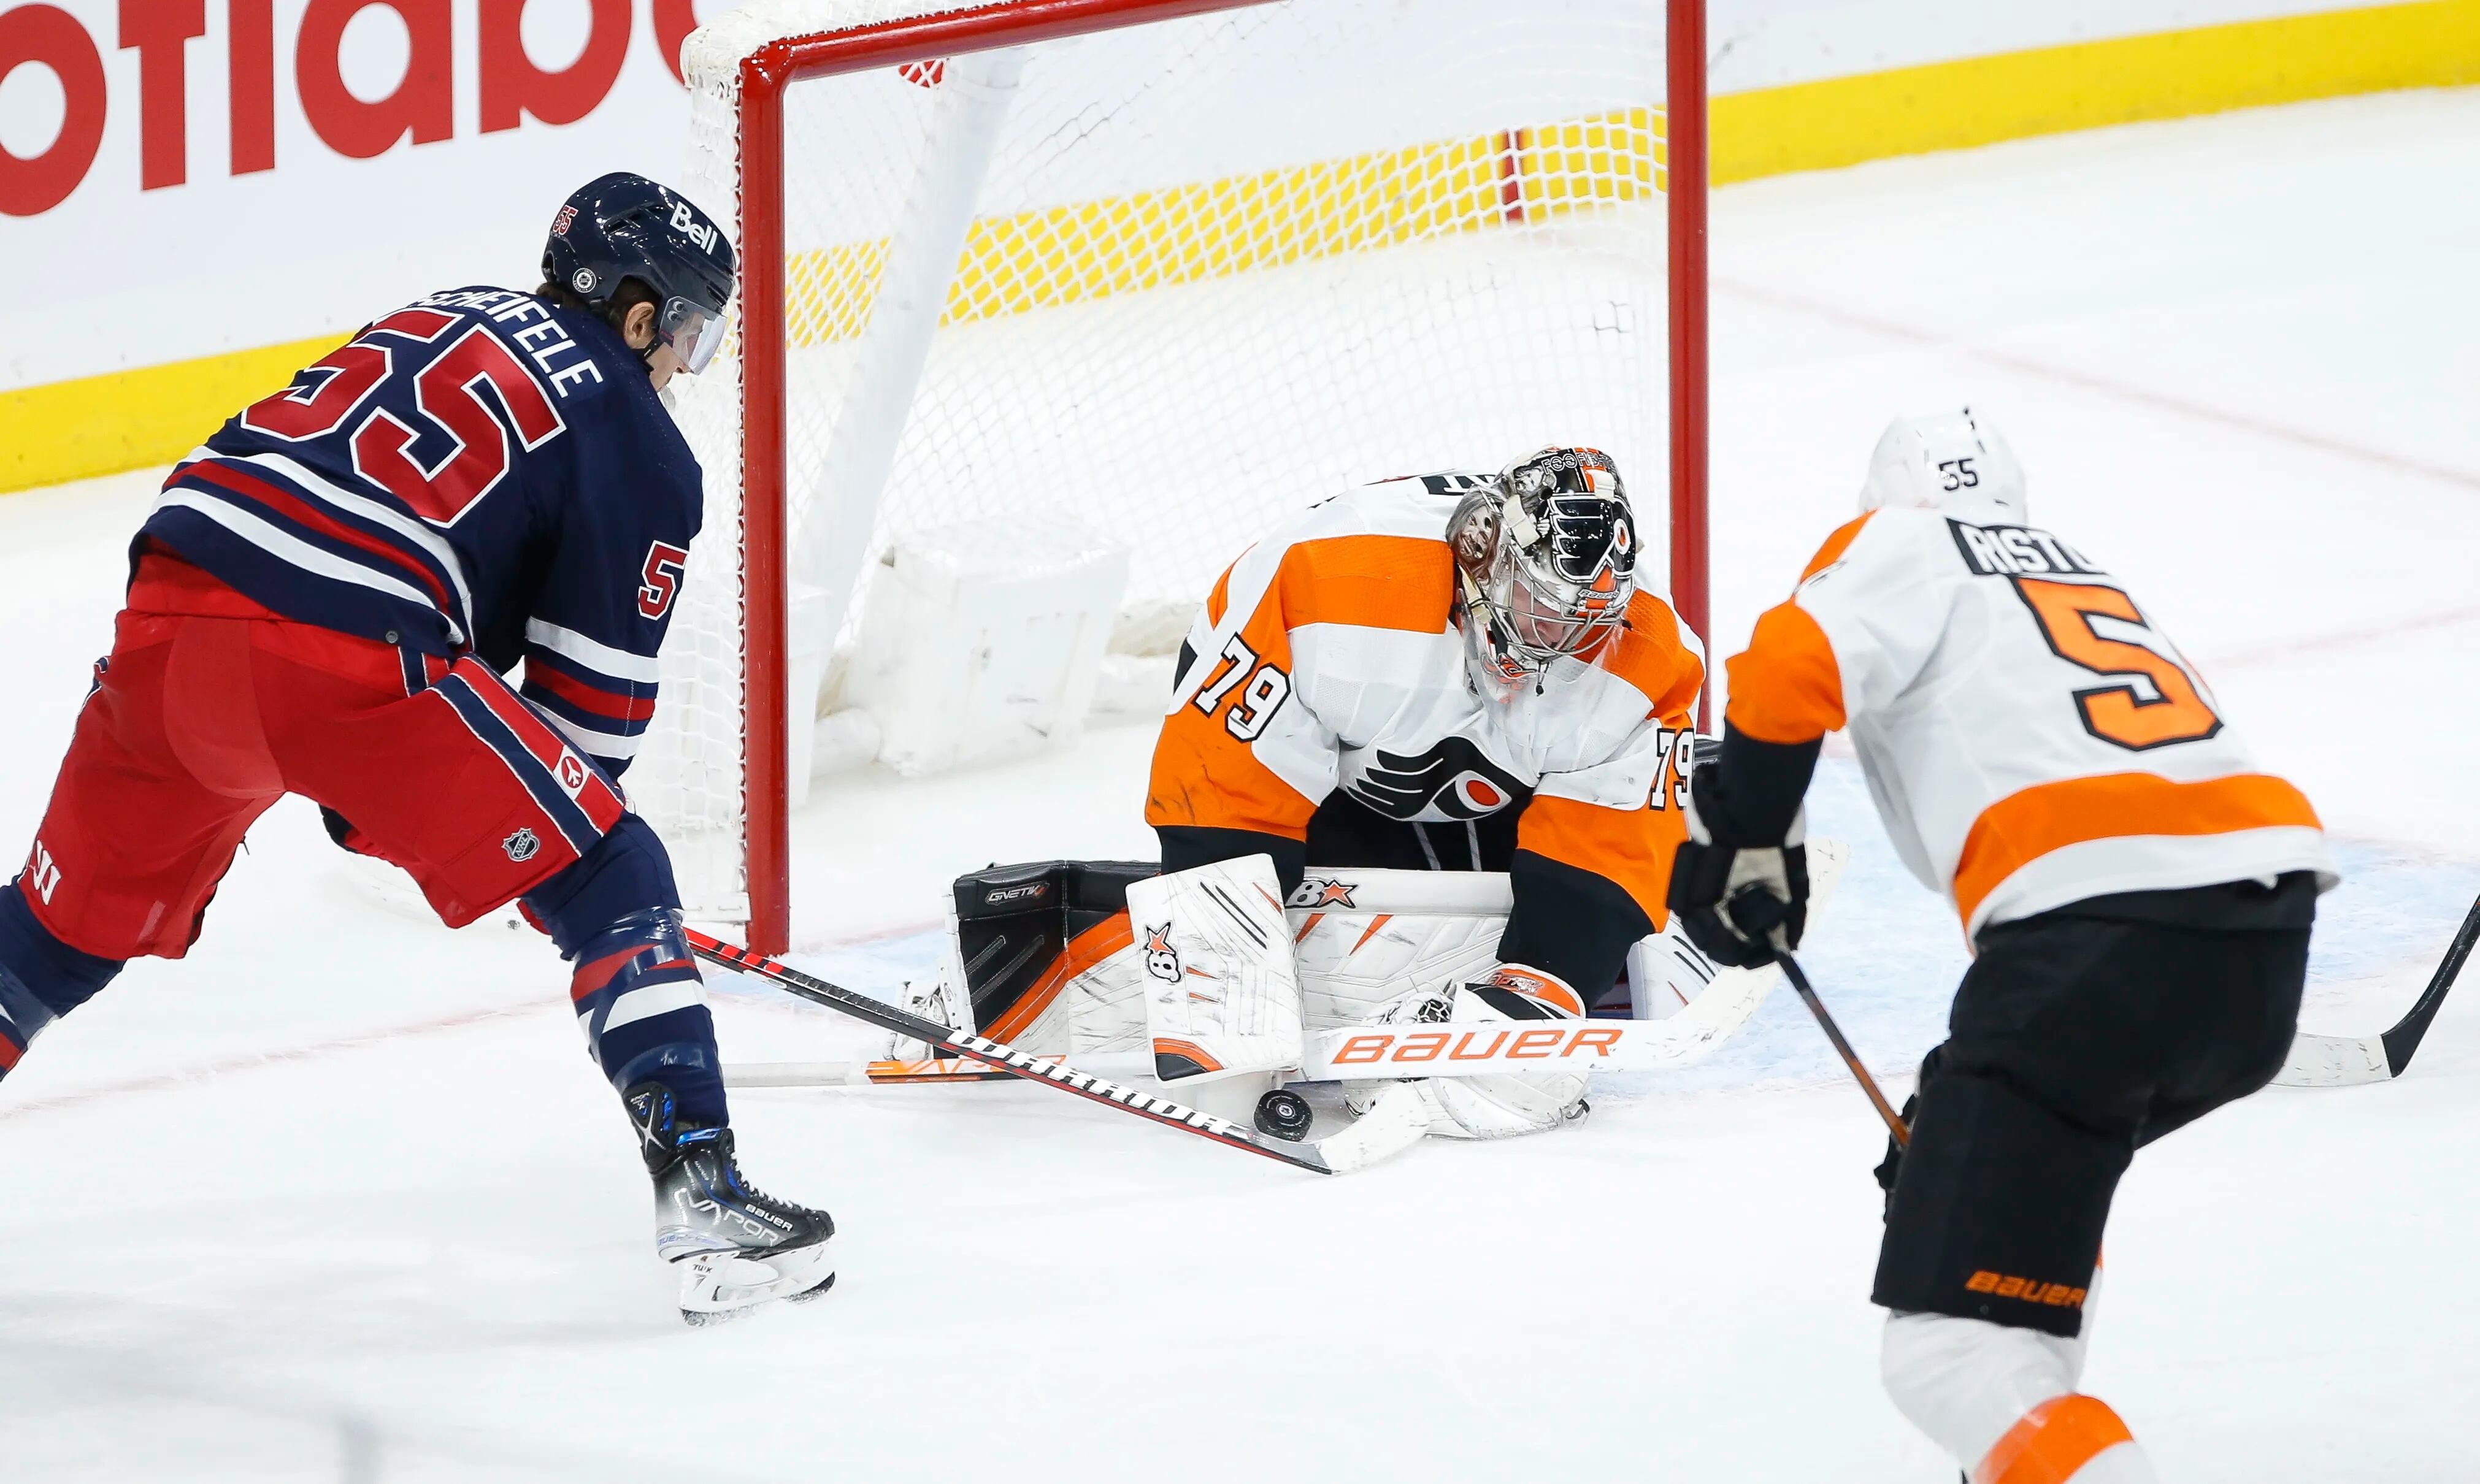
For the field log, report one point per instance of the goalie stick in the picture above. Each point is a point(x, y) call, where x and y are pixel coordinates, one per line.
point(1390, 1126)
point(2348, 1061)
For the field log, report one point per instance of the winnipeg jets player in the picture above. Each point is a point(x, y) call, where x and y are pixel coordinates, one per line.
point(324, 602)
point(2137, 893)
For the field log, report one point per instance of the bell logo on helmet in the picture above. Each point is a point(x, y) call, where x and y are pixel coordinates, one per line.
point(522, 845)
point(684, 221)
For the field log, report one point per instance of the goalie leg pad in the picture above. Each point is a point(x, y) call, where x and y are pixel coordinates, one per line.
point(1038, 956)
point(1221, 997)
point(1494, 1107)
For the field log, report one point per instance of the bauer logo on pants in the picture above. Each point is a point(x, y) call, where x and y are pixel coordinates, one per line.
point(522, 845)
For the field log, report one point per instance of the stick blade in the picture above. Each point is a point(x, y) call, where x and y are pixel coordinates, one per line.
point(2334, 1062)
point(1397, 1119)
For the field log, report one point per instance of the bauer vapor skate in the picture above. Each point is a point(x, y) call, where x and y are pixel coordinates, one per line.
point(734, 1245)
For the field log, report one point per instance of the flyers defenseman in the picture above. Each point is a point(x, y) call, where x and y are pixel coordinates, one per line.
point(1454, 672)
point(322, 603)
point(2137, 896)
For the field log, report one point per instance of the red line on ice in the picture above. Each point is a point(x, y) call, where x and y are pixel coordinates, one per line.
point(2089, 383)
point(163, 1082)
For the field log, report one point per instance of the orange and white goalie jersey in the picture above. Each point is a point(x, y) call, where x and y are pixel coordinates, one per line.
point(1326, 659)
point(2030, 737)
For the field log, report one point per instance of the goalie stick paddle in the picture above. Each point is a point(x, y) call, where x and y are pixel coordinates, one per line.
point(1389, 1127)
point(2348, 1061)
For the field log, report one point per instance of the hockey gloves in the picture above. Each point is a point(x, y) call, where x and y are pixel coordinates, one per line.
point(1732, 895)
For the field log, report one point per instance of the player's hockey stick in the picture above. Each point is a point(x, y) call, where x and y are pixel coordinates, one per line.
point(1852, 1058)
point(2346, 1060)
point(1390, 1126)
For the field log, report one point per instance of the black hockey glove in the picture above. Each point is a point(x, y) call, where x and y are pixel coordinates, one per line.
point(1891, 1168)
point(1731, 895)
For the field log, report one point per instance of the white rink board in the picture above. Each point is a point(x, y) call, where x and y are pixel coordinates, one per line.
point(424, 1257)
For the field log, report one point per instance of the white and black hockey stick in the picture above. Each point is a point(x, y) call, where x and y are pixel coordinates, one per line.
point(2347, 1060)
point(1391, 1125)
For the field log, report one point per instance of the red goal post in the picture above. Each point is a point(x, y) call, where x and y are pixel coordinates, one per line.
point(741, 658)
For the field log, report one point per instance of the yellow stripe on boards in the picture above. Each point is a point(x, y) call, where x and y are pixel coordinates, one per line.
point(129, 420)
point(1184, 234)
point(2091, 84)
point(132, 418)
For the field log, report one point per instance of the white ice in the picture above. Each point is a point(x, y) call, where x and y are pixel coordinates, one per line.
point(339, 1197)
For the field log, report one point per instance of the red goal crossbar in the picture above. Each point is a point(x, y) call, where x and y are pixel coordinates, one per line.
point(767, 72)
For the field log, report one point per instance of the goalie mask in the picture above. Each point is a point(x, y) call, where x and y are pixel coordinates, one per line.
point(1545, 564)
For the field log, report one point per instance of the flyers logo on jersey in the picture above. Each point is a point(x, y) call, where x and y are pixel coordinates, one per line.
point(1452, 781)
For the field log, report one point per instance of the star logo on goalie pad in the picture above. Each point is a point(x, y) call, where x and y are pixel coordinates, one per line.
point(1162, 960)
point(1315, 892)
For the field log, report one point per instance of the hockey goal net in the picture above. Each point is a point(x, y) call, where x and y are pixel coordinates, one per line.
point(1164, 269)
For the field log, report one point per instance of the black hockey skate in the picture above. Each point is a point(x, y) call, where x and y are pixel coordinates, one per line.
point(736, 1246)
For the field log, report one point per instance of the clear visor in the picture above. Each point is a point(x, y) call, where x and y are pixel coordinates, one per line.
point(694, 331)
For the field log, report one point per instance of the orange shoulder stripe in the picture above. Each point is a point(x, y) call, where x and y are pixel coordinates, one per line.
point(1404, 582)
point(1651, 656)
point(2031, 822)
point(1835, 546)
point(1786, 687)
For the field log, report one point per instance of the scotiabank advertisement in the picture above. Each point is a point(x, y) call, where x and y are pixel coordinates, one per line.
point(180, 178)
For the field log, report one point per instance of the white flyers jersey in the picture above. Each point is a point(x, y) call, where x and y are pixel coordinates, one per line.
point(2030, 737)
point(1328, 658)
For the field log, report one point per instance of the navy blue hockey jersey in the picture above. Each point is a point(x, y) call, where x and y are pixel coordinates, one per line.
point(480, 471)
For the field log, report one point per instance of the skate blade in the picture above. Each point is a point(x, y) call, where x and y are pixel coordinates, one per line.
point(719, 1286)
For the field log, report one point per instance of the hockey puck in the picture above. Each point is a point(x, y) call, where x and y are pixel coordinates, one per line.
point(1284, 1115)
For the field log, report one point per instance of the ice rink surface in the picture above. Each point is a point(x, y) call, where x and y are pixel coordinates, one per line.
point(338, 1199)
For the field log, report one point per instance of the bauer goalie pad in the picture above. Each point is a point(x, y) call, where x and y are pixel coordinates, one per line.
point(1044, 957)
point(1220, 996)
point(1025, 945)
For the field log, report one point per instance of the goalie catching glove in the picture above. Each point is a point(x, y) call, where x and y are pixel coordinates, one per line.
point(1497, 1106)
point(1733, 885)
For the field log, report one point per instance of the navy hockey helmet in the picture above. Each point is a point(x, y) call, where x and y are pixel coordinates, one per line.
point(625, 227)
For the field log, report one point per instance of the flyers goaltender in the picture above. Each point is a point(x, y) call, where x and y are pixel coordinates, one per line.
point(1441, 721)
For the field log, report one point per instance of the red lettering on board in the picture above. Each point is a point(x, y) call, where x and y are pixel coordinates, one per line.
point(513, 86)
point(158, 29)
point(45, 36)
point(424, 103)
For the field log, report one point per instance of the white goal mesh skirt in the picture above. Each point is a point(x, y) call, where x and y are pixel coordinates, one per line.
point(1170, 280)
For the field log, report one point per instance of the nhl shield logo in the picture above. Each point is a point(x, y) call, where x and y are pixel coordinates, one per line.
point(522, 845)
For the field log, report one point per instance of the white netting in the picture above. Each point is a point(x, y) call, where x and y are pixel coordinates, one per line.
point(1173, 280)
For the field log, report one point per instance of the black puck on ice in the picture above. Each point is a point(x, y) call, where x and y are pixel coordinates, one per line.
point(1284, 1115)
